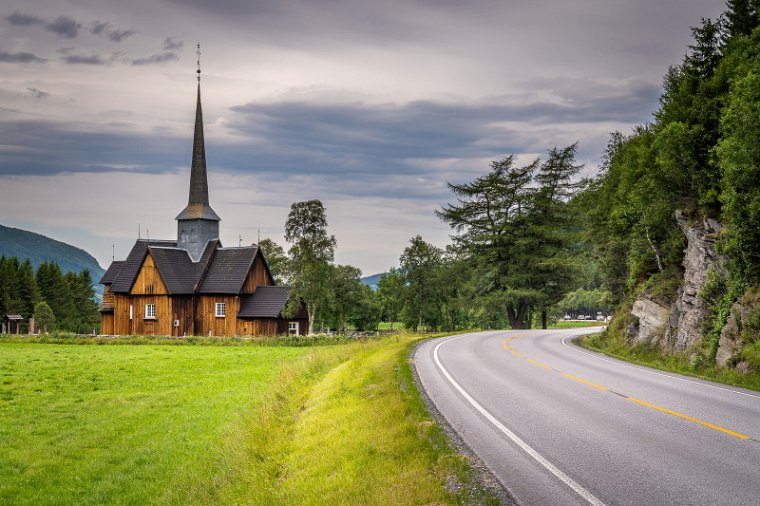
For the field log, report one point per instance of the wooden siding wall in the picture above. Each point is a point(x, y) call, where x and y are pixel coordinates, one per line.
point(206, 321)
point(161, 325)
point(182, 307)
point(106, 323)
point(257, 276)
point(270, 326)
point(148, 280)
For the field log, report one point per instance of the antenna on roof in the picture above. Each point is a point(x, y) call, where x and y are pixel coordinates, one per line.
point(258, 235)
point(113, 252)
point(240, 240)
point(147, 234)
point(198, 52)
point(138, 230)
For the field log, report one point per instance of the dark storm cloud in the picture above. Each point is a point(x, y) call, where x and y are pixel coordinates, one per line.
point(20, 19)
point(81, 59)
point(156, 58)
point(170, 43)
point(113, 33)
point(19, 58)
point(47, 148)
point(369, 138)
point(64, 26)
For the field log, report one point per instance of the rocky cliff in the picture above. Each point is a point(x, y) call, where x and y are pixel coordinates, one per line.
point(678, 326)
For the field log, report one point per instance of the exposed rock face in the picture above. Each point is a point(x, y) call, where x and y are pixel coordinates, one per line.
point(679, 327)
point(653, 319)
point(730, 344)
point(689, 310)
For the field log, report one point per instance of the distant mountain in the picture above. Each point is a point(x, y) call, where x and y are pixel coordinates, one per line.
point(371, 281)
point(38, 248)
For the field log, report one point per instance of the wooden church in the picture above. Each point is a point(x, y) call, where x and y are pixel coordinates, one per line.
point(192, 285)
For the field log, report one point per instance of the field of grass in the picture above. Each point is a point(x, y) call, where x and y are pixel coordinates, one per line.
point(677, 362)
point(159, 424)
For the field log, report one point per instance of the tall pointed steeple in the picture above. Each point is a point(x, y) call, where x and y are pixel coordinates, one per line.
point(197, 223)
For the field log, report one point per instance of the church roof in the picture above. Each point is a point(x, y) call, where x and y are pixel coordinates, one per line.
point(266, 302)
point(123, 281)
point(112, 272)
point(228, 270)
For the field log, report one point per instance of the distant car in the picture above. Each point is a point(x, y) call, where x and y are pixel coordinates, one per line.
point(568, 317)
point(600, 317)
point(581, 316)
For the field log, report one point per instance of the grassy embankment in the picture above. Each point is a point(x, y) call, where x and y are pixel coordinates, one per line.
point(564, 324)
point(155, 424)
point(614, 346)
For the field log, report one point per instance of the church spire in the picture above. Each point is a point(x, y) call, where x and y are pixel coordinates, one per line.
point(197, 223)
point(198, 203)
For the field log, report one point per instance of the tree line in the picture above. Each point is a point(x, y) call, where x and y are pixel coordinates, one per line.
point(56, 300)
point(514, 257)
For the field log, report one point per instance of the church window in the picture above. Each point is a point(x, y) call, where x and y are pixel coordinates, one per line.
point(221, 309)
point(150, 311)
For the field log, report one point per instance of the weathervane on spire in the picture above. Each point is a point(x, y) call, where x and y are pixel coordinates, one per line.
point(198, 52)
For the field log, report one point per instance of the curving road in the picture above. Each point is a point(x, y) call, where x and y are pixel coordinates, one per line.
point(557, 424)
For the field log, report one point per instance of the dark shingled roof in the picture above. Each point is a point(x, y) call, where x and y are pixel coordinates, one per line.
point(266, 302)
point(179, 273)
point(112, 272)
point(228, 270)
point(124, 280)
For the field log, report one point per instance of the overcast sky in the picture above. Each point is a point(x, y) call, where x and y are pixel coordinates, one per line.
point(370, 107)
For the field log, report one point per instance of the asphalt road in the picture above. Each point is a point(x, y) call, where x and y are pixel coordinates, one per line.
point(557, 424)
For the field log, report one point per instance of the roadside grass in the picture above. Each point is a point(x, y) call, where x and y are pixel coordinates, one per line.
point(341, 424)
point(564, 324)
point(360, 434)
point(677, 362)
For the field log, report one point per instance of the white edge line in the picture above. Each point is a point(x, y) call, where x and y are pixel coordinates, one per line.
point(646, 369)
point(588, 496)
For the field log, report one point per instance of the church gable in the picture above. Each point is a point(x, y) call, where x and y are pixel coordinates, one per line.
point(149, 280)
point(258, 275)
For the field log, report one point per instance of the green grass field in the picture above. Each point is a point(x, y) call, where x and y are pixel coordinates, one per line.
point(162, 424)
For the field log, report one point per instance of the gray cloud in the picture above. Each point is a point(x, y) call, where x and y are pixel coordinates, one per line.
point(170, 43)
point(396, 150)
point(80, 59)
point(46, 148)
point(64, 26)
point(38, 94)
point(156, 58)
point(22, 57)
point(113, 33)
point(368, 138)
point(20, 19)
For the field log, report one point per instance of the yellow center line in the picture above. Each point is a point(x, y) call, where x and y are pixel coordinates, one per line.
point(506, 344)
point(539, 364)
point(581, 380)
point(685, 417)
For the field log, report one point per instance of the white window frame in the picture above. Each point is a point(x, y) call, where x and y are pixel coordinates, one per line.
point(293, 328)
point(150, 311)
point(221, 309)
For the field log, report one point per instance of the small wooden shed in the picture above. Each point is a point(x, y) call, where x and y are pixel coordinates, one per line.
point(13, 323)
